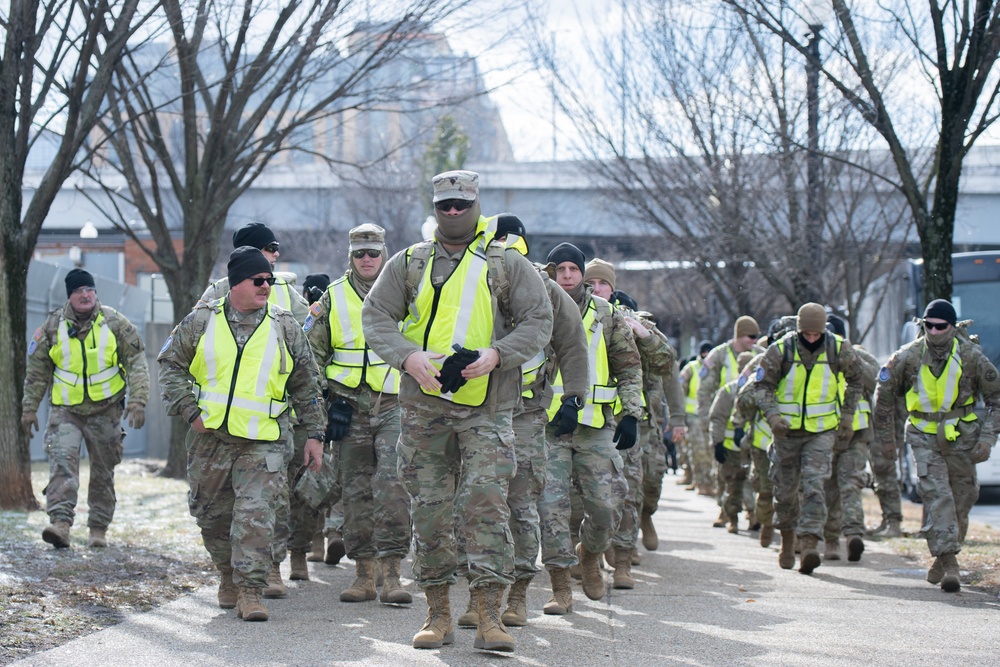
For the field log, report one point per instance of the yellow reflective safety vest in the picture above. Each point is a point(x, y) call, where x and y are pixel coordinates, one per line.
point(352, 361)
point(863, 413)
point(242, 391)
point(457, 312)
point(602, 391)
point(729, 438)
point(85, 367)
point(279, 295)
point(933, 398)
point(691, 403)
point(531, 370)
point(809, 398)
point(762, 435)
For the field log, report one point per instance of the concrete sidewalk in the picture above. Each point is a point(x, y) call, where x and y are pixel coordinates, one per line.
point(705, 598)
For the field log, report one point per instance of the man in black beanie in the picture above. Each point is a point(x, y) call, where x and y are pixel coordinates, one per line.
point(251, 365)
point(940, 375)
point(283, 293)
point(88, 391)
point(314, 285)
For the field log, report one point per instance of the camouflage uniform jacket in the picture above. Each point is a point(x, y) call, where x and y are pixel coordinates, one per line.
point(658, 361)
point(979, 377)
point(178, 352)
point(711, 375)
point(722, 411)
point(745, 412)
point(566, 351)
point(317, 329)
point(387, 305)
point(131, 359)
point(283, 281)
point(775, 365)
point(869, 373)
point(623, 354)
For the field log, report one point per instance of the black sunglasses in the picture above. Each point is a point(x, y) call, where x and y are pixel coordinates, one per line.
point(935, 326)
point(258, 282)
point(271, 247)
point(457, 204)
point(371, 252)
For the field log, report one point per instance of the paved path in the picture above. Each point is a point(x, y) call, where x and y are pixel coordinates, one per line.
point(706, 598)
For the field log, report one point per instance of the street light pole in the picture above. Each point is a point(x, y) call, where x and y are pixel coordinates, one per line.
point(814, 164)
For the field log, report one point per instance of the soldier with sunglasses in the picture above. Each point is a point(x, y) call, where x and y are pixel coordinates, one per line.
point(941, 375)
point(234, 368)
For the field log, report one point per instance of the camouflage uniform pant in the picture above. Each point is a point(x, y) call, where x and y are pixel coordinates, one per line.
point(762, 484)
point(845, 514)
point(801, 460)
point(526, 491)
point(468, 444)
point(588, 455)
point(749, 497)
point(733, 475)
point(628, 528)
point(886, 484)
point(654, 467)
point(701, 452)
point(234, 490)
point(684, 456)
point(102, 433)
point(948, 485)
point(294, 521)
point(376, 505)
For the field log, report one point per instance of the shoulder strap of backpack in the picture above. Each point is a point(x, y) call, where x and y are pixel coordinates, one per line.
point(416, 264)
point(496, 274)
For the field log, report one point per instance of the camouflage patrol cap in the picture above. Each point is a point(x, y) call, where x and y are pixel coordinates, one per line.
point(367, 236)
point(456, 185)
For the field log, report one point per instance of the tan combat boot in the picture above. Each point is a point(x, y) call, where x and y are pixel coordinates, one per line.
point(227, 590)
point(855, 547)
point(686, 479)
point(57, 534)
point(248, 605)
point(936, 572)
point(832, 551)
point(622, 578)
point(577, 570)
point(721, 521)
point(516, 613)
point(316, 549)
point(809, 559)
point(491, 635)
point(593, 581)
point(363, 588)
point(786, 559)
point(437, 629)
point(609, 558)
point(734, 524)
point(950, 583)
point(561, 602)
point(892, 529)
point(392, 588)
point(766, 535)
point(706, 490)
point(335, 549)
point(470, 619)
point(98, 538)
point(650, 540)
point(275, 586)
point(636, 558)
point(300, 570)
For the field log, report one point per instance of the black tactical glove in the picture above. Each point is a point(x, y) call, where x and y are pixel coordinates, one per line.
point(720, 452)
point(671, 454)
point(451, 370)
point(627, 433)
point(566, 418)
point(738, 437)
point(339, 415)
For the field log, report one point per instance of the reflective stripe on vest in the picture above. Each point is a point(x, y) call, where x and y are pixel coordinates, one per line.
point(691, 404)
point(729, 441)
point(352, 359)
point(601, 391)
point(458, 312)
point(762, 435)
point(931, 394)
point(529, 373)
point(279, 294)
point(862, 413)
point(85, 366)
point(242, 391)
point(809, 399)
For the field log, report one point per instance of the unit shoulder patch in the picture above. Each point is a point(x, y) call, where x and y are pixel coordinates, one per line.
point(760, 373)
point(883, 375)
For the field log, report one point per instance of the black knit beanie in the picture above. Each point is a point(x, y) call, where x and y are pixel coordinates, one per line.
point(623, 298)
point(76, 279)
point(508, 223)
point(567, 252)
point(246, 262)
point(942, 310)
point(256, 235)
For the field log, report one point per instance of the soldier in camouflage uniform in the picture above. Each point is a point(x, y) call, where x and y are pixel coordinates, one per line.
point(718, 368)
point(698, 474)
point(799, 393)
point(591, 453)
point(659, 388)
point(758, 435)
point(88, 407)
point(460, 290)
point(656, 357)
point(941, 375)
point(364, 419)
point(228, 368)
point(295, 521)
point(887, 488)
point(726, 432)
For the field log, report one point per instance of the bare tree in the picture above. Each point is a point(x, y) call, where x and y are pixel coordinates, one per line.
point(951, 50)
point(58, 61)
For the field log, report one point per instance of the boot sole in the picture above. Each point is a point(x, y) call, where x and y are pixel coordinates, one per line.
point(255, 616)
point(298, 577)
point(483, 645)
point(951, 584)
point(809, 563)
point(396, 599)
point(335, 553)
point(513, 621)
point(855, 548)
point(447, 639)
point(354, 599)
point(623, 586)
point(274, 595)
point(55, 540)
point(226, 605)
